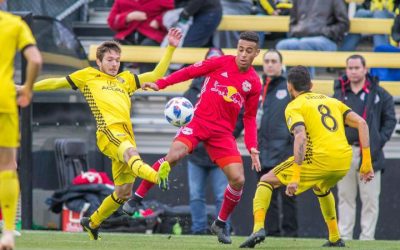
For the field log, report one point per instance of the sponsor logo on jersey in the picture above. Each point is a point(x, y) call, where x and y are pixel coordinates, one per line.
point(229, 93)
point(246, 86)
point(289, 121)
point(281, 94)
point(187, 131)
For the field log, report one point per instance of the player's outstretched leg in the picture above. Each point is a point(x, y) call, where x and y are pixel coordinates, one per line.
point(254, 239)
point(135, 204)
point(93, 232)
point(261, 201)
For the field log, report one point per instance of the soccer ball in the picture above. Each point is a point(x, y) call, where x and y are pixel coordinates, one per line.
point(178, 111)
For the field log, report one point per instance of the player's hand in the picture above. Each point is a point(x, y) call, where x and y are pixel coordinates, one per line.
point(291, 188)
point(174, 37)
point(366, 169)
point(255, 158)
point(150, 85)
point(24, 96)
point(366, 172)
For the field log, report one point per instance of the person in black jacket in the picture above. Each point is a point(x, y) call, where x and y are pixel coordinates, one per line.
point(275, 142)
point(362, 93)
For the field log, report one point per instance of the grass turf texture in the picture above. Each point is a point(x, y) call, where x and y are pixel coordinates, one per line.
point(51, 240)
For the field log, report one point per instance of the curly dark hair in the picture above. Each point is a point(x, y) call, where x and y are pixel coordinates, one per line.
point(300, 78)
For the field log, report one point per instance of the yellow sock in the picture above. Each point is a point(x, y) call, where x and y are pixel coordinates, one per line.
point(327, 204)
point(109, 205)
point(261, 201)
point(9, 192)
point(142, 170)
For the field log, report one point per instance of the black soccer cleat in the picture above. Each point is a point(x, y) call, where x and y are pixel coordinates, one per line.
point(93, 232)
point(222, 233)
point(132, 206)
point(254, 239)
point(338, 243)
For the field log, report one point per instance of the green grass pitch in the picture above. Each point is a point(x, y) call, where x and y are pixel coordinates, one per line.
point(51, 240)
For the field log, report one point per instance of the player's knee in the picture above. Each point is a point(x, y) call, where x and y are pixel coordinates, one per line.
point(237, 181)
point(123, 194)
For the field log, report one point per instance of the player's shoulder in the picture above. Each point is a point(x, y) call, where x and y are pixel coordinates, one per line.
point(9, 19)
point(87, 73)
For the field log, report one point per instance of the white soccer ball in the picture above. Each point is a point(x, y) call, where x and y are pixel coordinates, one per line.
point(178, 111)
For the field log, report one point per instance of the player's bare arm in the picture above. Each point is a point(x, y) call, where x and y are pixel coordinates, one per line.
point(355, 121)
point(299, 149)
point(34, 65)
point(255, 159)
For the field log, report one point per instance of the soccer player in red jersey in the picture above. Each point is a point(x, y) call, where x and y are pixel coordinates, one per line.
point(231, 83)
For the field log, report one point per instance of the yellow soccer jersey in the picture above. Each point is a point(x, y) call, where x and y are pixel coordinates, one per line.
point(108, 96)
point(14, 35)
point(322, 117)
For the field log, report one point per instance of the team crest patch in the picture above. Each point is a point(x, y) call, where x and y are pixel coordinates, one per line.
point(246, 86)
point(120, 79)
point(187, 131)
point(281, 94)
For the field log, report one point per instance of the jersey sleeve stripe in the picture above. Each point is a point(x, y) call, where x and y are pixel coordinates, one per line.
point(345, 114)
point(137, 81)
point(74, 87)
point(296, 124)
point(27, 46)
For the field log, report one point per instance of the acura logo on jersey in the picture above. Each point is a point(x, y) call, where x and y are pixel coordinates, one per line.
point(246, 86)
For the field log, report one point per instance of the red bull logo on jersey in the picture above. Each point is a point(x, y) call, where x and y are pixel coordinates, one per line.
point(229, 93)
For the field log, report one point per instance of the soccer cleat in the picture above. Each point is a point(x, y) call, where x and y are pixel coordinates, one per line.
point(132, 206)
point(163, 173)
point(93, 232)
point(338, 243)
point(222, 233)
point(254, 239)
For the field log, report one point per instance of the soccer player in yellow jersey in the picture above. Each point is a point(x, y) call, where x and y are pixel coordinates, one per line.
point(321, 157)
point(108, 95)
point(14, 35)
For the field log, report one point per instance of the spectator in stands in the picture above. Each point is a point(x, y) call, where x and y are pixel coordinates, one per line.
point(371, 9)
point(207, 15)
point(200, 167)
point(228, 39)
point(390, 74)
point(316, 26)
point(275, 142)
point(139, 22)
point(362, 93)
point(276, 7)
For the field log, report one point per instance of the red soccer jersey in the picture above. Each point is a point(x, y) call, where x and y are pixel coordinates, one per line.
point(224, 92)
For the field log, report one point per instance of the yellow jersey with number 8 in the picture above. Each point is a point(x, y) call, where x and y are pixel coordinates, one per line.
point(323, 118)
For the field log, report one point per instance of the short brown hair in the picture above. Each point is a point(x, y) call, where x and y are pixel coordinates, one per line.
point(249, 36)
point(107, 46)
